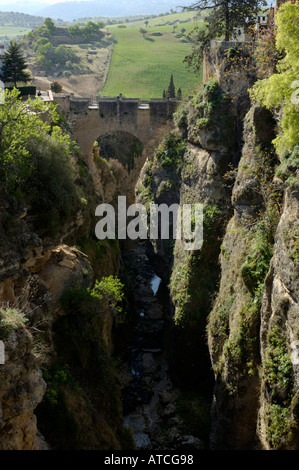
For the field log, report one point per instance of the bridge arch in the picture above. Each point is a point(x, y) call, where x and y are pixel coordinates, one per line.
point(145, 121)
point(141, 119)
point(121, 146)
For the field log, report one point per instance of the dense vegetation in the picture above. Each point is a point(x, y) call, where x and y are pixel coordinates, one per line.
point(37, 150)
point(279, 90)
point(46, 52)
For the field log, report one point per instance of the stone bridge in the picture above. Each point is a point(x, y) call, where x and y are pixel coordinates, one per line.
point(91, 119)
point(94, 118)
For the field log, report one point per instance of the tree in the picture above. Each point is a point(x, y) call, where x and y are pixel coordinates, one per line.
point(19, 122)
point(179, 94)
point(74, 30)
point(280, 91)
point(50, 26)
point(36, 163)
point(90, 29)
point(14, 66)
point(223, 18)
point(171, 88)
point(56, 87)
point(142, 31)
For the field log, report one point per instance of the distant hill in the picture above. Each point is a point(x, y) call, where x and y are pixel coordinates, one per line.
point(27, 7)
point(15, 25)
point(14, 19)
point(75, 10)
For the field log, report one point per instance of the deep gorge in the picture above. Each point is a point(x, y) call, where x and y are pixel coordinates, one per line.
point(207, 361)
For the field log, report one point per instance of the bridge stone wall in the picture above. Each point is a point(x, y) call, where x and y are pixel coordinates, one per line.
point(90, 119)
point(93, 118)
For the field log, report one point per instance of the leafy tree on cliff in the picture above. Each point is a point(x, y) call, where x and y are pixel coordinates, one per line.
point(280, 92)
point(14, 66)
point(223, 18)
point(35, 156)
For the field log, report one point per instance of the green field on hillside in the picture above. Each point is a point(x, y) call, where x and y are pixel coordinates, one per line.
point(12, 32)
point(141, 65)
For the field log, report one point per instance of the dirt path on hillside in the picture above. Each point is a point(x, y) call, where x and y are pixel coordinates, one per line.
point(80, 85)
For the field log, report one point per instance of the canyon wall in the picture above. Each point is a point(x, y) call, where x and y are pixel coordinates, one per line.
point(235, 301)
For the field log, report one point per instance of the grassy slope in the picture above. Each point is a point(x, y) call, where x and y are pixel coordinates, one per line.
point(141, 66)
point(11, 32)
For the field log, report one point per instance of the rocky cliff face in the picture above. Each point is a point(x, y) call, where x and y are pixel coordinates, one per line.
point(50, 395)
point(252, 339)
point(278, 412)
point(239, 293)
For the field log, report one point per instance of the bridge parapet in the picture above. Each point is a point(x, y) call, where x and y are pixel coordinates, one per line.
point(95, 117)
point(111, 107)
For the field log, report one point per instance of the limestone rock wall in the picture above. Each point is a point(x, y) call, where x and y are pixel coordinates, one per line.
point(253, 326)
point(239, 294)
point(35, 273)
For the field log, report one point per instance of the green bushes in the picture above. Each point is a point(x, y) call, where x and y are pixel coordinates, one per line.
point(33, 149)
point(208, 99)
point(82, 388)
point(277, 93)
point(111, 289)
point(52, 192)
point(203, 109)
point(288, 169)
point(280, 426)
point(193, 277)
point(10, 319)
point(107, 294)
point(52, 180)
point(257, 263)
point(278, 371)
point(171, 151)
point(36, 160)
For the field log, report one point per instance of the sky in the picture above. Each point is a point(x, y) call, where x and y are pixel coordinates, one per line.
point(5, 2)
point(42, 2)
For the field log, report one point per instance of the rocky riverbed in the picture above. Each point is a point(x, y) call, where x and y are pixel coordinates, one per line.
point(149, 394)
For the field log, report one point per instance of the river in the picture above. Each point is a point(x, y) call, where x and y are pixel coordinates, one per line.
point(149, 396)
